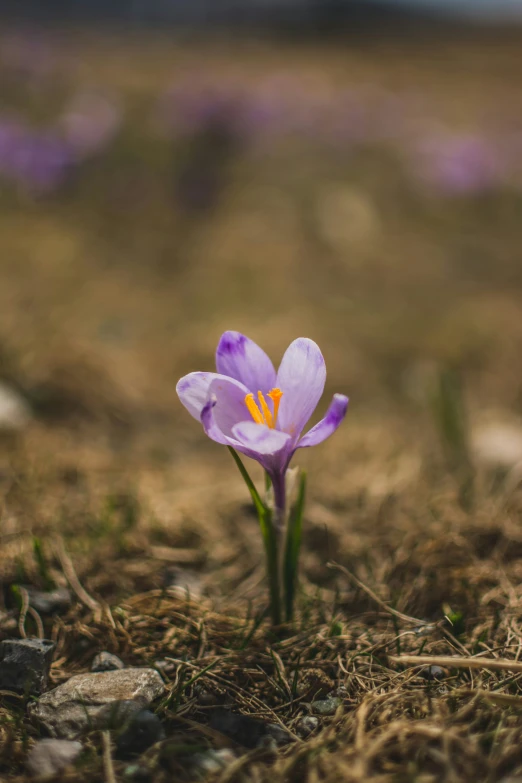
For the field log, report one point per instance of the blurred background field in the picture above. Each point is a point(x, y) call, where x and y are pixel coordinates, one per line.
point(156, 192)
point(158, 188)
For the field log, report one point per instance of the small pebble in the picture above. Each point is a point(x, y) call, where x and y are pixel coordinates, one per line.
point(144, 730)
point(165, 667)
point(106, 662)
point(432, 673)
point(242, 729)
point(15, 413)
point(25, 665)
point(116, 715)
point(266, 742)
point(213, 760)
point(204, 697)
point(47, 602)
point(341, 692)
point(326, 706)
point(280, 735)
point(137, 773)
point(306, 725)
point(50, 756)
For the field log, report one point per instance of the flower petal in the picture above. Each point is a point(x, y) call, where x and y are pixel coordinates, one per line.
point(230, 405)
point(193, 389)
point(301, 378)
point(239, 357)
point(214, 432)
point(260, 439)
point(327, 426)
point(209, 424)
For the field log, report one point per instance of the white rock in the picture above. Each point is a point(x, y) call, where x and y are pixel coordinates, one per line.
point(85, 701)
point(15, 413)
point(50, 756)
point(212, 761)
point(498, 443)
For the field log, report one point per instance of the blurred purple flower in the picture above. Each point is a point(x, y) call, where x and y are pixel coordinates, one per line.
point(191, 107)
point(36, 161)
point(90, 124)
point(459, 164)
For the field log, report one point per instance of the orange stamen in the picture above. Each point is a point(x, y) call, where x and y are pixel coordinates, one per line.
point(275, 395)
point(253, 409)
point(267, 413)
point(264, 415)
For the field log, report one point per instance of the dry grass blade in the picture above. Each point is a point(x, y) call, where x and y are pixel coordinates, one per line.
point(501, 699)
point(72, 578)
point(375, 598)
point(108, 766)
point(457, 663)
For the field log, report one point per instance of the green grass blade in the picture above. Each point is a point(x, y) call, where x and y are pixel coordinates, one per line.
point(41, 562)
point(450, 414)
point(449, 409)
point(258, 503)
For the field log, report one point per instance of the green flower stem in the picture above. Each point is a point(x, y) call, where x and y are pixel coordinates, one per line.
point(270, 541)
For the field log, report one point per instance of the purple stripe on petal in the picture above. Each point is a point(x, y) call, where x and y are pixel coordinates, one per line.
point(209, 423)
point(327, 426)
point(301, 378)
point(260, 439)
point(240, 358)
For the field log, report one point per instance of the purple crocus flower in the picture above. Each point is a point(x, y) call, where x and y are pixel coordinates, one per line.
point(261, 413)
point(460, 164)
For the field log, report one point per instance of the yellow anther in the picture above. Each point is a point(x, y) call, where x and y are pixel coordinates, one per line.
point(275, 395)
point(253, 409)
point(267, 413)
point(264, 415)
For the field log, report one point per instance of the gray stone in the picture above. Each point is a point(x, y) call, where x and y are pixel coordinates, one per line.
point(106, 662)
point(138, 773)
point(266, 742)
point(51, 601)
point(213, 760)
point(165, 667)
point(142, 731)
point(116, 715)
point(432, 673)
point(205, 697)
point(280, 735)
point(243, 729)
point(15, 413)
point(306, 725)
point(50, 756)
point(326, 706)
point(25, 665)
point(87, 701)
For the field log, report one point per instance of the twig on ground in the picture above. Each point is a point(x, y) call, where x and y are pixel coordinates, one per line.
point(457, 663)
point(72, 578)
point(375, 597)
point(107, 758)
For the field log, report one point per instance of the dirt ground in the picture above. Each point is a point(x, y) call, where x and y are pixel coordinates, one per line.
point(110, 291)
